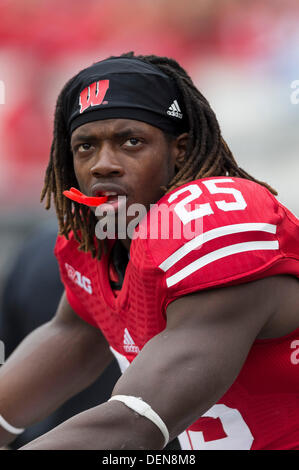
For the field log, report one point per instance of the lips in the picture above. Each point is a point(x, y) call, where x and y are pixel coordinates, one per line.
point(110, 196)
point(107, 190)
point(116, 195)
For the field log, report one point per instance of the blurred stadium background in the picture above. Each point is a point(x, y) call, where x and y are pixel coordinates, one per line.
point(242, 54)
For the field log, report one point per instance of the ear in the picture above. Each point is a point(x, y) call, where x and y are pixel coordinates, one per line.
point(180, 149)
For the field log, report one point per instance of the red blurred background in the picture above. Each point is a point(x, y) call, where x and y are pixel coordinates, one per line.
point(243, 55)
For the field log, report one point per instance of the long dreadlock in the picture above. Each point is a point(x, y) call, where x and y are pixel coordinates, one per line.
point(207, 154)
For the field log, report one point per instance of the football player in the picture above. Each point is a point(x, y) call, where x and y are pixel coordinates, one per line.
point(198, 300)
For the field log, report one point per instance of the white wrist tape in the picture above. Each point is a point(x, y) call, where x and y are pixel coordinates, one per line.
point(8, 427)
point(142, 408)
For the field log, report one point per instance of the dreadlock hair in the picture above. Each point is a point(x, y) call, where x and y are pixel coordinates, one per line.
point(207, 154)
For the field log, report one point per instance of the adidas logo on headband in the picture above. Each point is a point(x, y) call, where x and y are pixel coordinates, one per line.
point(174, 110)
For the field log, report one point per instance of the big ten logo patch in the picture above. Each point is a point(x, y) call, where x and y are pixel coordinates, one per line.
point(78, 278)
point(295, 354)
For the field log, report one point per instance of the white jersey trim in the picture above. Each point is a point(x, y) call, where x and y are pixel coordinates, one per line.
point(219, 254)
point(211, 235)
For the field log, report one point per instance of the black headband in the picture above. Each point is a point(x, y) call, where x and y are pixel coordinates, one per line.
point(126, 88)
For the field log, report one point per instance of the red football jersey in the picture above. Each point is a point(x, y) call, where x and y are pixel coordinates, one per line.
point(208, 233)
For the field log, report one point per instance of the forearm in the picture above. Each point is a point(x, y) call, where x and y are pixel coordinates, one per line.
point(110, 426)
point(180, 373)
point(52, 364)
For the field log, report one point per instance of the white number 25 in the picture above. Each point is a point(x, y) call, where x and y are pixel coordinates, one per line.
point(205, 209)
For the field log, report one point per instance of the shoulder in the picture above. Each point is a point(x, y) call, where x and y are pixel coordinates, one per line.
point(214, 231)
point(219, 200)
point(225, 205)
point(64, 244)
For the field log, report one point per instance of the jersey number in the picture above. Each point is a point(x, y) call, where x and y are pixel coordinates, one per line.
point(205, 209)
point(220, 428)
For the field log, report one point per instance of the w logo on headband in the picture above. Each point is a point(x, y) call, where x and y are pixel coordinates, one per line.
point(93, 94)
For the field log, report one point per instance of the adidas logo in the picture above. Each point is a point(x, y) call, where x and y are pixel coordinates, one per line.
point(129, 345)
point(174, 110)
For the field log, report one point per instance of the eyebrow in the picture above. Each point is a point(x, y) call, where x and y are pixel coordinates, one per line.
point(82, 136)
point(115, 135)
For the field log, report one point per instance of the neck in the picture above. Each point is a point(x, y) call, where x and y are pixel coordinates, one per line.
point(126, 243)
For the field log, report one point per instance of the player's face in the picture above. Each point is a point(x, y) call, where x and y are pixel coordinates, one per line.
point(126, 157)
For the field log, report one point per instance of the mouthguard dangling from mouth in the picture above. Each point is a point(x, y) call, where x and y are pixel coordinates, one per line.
point(75, 195)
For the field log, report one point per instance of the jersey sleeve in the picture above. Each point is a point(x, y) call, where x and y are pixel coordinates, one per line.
point(217, 232)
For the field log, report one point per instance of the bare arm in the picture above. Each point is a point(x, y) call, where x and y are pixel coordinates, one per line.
point(52, 364)
point(181, 372)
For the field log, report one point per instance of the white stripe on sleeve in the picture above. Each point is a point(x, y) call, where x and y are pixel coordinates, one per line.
point(211, 235)
point(219, 254)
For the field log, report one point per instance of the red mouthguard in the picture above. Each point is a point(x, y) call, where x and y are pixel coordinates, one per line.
point(75, 195)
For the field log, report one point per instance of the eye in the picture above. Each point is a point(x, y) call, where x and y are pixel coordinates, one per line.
point(132, 142)
point(84, 147)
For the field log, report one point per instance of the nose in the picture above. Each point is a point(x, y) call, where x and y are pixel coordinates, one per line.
point(106, 163)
